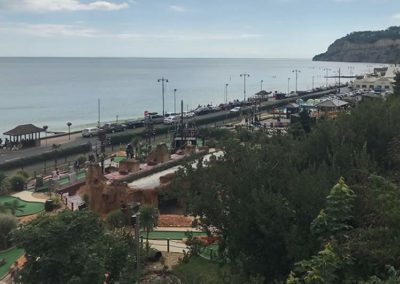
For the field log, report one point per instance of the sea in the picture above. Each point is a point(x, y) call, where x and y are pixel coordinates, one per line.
point(54, 91)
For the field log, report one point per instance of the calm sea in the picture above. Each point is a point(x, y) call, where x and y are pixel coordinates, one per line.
point(53, 91)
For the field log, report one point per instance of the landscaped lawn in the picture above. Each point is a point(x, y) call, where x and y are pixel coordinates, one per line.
point(29, 209)
point(10, 255)
point(172, 235)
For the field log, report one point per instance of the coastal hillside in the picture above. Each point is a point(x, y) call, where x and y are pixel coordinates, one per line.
point(368, 46)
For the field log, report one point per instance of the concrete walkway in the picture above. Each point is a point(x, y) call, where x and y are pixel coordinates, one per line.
point(27, 196)
point(174, 245)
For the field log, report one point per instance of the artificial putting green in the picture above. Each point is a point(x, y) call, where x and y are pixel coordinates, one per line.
point(29, 206)
point(10, 255)
point(172, 235)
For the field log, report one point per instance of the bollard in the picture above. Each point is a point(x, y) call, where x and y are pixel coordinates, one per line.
point(167, 245)
point(72, 206)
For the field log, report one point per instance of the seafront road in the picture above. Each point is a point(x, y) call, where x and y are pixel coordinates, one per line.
point(77, 139)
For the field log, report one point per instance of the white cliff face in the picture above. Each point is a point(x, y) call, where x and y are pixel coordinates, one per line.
point(382, 50)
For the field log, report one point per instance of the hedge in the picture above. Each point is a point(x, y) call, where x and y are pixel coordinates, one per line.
point(62, 153)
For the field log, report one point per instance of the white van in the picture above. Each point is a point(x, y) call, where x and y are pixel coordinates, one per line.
point(90, 132)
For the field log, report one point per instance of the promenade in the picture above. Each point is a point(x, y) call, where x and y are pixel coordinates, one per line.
point(76, 139)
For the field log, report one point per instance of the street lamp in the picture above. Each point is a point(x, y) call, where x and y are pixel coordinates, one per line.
point(163, 81)
point(45, 127)
point(313, 77)
point(288, 85)
point(175, 100)
point(261, 82)
point(69, 130)
point(297, 74)
point(327, 75)
point(226, 93)
point(244, 75)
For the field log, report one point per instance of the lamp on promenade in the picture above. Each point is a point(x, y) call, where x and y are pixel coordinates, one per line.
point(175, 100)
point(163, 81)
point(312, 83)
point(69, 130)
point(288, 85)
point(261, 82)
point(45, 127)
point(297, 74)
point(327, 75)
point(226, 93)
point(244, 75)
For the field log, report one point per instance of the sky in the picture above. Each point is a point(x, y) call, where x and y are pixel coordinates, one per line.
point(186, 28)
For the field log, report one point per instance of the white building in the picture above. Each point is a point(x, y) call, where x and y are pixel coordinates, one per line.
point(381, 81)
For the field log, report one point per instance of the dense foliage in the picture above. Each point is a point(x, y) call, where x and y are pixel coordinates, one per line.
point(269, 199)
point(7, 224)
point(73, 247)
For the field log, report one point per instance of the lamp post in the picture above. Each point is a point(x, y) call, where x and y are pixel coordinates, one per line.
point(226, 93)
point(297, 74)
point(327, 75)
point(244, 75)
point(261, 82)
point(45, 127)
point(163, 81)
point(175, 100)
point(288, 85)
point(312, 84)
point(69, 130)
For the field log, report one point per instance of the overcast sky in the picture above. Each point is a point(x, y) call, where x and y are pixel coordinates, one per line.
point(190, 28)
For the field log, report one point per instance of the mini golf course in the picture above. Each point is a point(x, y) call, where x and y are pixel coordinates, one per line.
point(10, 255)
point(29, 208)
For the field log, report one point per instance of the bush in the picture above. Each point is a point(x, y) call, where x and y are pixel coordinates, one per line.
point(8, 223)
point(56, 202)
point(23, 174)
point(4, 184)
point(116, 219)
point(17, 183)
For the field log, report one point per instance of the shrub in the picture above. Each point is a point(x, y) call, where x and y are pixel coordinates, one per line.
point(116, 219)
point(56, 202)
point(17, 183)
point(23, 174)
point(7, 224)
point(4, 184)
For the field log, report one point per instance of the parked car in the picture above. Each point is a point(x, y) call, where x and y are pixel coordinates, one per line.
point(113, 127)
point(156, 118)
point(172, 119)
point(202, 111)
point(235, 109)
point(90, 132)
point(131, 124)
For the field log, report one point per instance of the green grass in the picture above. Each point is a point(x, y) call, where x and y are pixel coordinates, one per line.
point(11, 255)
point(29, 209)
point(119, 159)
point(172, 235)
point(201, 271)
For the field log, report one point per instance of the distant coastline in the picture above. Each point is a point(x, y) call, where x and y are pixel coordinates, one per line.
point(369, 46)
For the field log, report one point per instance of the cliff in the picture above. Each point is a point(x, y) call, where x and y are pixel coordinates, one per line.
point(370, 46)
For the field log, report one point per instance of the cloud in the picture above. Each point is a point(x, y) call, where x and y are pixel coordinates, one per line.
point(60, 5)
point(80, 30)
point(178, 9)
point(49, 30)
point(397, 16)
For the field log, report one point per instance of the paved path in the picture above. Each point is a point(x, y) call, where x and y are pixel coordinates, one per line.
point(27, 196)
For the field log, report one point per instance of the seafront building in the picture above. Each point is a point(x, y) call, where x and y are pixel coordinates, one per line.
point(381, 80)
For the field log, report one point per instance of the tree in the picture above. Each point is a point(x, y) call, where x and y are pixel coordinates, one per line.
point(116, 219)
point(72, 246)
point(4, 184)
point(7, 224)
point(336, 218)
point(148, 218)
point(396, 86)
point(17, 183)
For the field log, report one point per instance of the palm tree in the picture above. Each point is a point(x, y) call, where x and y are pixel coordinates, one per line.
point(148, 217)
